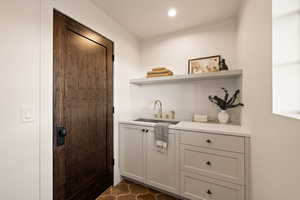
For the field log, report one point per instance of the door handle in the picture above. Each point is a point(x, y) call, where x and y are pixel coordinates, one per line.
point(61, 134)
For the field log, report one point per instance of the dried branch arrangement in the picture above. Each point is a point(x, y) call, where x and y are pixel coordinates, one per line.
point(226, 103)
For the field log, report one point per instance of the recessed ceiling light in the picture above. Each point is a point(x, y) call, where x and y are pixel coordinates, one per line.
point(172, 12)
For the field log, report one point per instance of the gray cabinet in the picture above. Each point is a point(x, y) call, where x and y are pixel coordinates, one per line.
point(197, 165)
point(198, 187)
point(162, 168)
point(213, 166)
point(132, 155)
point(140, 160)
point(227, 166)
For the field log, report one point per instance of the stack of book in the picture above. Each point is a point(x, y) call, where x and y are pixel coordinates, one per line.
point(158, 72)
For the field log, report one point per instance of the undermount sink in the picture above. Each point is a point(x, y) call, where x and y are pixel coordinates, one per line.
point(156, 121)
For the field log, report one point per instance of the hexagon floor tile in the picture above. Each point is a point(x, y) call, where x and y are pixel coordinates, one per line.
point(127, 190)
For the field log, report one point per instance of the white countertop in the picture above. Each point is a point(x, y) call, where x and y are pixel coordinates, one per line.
point(224, 129)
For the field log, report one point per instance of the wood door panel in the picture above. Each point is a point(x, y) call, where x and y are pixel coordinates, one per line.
point(83, 105)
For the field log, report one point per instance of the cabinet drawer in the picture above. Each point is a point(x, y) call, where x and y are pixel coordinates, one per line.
point(213, 141)
point(222, 165)
point(197, 187)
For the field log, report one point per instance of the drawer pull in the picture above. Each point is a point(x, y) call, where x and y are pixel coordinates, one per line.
point(208, 163)
point(208, 141)
point(147, 130)
point(208, 192)
point(143, 130)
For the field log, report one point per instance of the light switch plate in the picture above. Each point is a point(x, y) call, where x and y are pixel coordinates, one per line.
point(27, 114)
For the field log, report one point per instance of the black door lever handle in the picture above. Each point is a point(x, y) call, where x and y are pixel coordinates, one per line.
point(61, 134)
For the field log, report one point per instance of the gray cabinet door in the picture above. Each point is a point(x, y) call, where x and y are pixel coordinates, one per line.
point(132, 152)
point(162, 169)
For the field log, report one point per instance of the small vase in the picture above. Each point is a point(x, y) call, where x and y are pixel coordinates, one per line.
point(223, 117)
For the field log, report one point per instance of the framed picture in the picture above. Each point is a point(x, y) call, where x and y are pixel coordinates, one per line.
point(205, 64)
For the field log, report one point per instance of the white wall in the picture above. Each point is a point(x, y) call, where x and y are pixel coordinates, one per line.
point(275, 139)
point(183, 98)
point(173, 51)
point(26, 79)
point(19, 70)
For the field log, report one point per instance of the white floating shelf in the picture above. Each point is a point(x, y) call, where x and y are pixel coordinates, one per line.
point(189, 77)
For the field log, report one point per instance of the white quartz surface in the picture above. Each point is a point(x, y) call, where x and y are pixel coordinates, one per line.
point(225, 129)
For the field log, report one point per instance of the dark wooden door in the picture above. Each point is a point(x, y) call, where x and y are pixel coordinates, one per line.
point(83, 111)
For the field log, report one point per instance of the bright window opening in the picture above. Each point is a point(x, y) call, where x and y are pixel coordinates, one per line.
point(286, 58)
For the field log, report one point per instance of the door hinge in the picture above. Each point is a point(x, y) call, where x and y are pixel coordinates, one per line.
point(113, 162)
point(113, 57)
point(113, 110)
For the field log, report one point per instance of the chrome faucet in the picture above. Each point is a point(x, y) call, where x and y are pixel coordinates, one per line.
point(160, 115)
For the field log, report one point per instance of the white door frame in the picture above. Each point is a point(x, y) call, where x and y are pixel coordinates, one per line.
point(46, 102)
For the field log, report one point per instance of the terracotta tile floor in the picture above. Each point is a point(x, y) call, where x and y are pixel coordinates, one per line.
point(130, 191)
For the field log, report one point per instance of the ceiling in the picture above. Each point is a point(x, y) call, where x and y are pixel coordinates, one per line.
point(149, 18)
